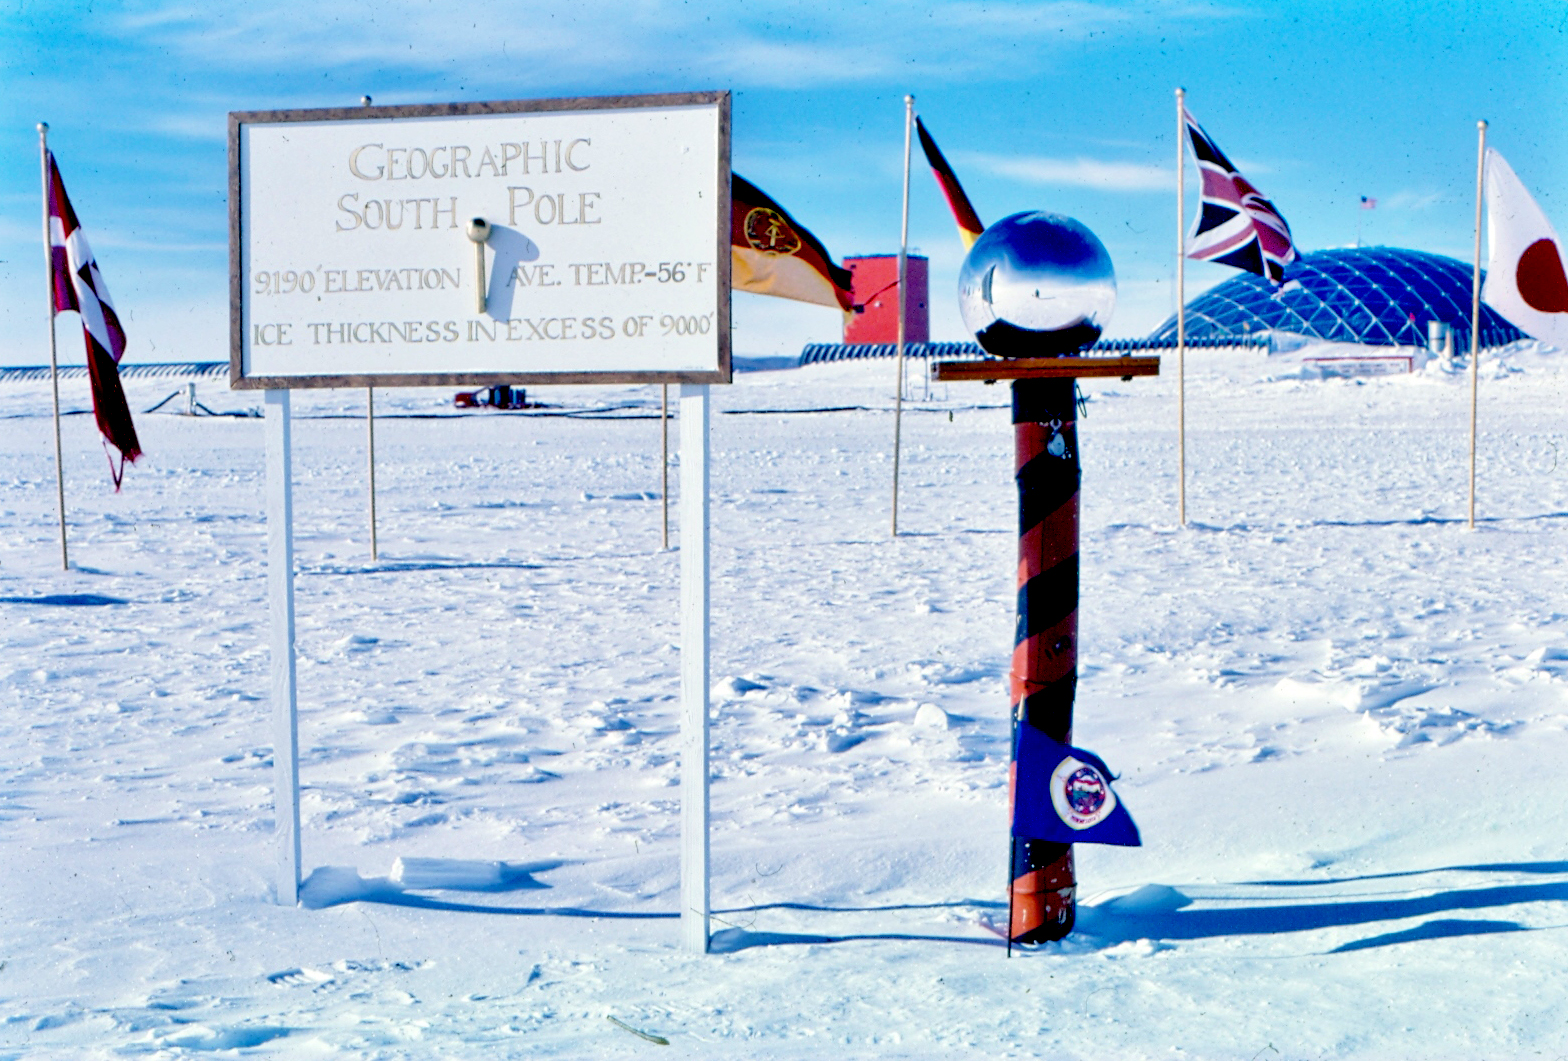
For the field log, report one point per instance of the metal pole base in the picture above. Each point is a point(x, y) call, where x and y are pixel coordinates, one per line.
point(1043, 892)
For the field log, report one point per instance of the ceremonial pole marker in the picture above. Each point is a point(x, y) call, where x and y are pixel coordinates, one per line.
point(1044, 677)
point(1042, 881)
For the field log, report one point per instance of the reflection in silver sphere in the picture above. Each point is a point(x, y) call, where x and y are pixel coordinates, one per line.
point(1036, 285)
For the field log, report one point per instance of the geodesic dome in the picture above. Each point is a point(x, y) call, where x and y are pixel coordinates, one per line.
point(1379, 296)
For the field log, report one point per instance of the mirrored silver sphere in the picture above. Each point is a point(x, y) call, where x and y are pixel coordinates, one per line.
point(1036, 285)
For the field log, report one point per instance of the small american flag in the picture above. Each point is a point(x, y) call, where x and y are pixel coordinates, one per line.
point(77, 285)
point(1368, 204)
point(1236, 225)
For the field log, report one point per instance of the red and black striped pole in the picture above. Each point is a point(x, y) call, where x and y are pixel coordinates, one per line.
point(1045, 648)
point(1042, 885)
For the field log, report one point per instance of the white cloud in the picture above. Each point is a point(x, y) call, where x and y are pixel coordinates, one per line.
point(538, 44)
point(1141, 307)
point(13, 230)
point(160, 246)
point(774, 326)
point(200, 125)
point(1410, 200)
point(1076, 16)
point(1080, 172)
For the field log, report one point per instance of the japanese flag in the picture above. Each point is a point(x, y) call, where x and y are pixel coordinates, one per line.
point(1525, 281)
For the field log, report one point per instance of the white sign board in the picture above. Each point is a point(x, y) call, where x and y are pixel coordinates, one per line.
point(607, 258)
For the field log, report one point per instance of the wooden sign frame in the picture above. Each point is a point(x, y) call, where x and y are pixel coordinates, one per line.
point(241, 378)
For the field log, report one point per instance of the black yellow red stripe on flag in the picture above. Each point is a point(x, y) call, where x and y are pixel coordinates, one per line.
point(773, 254)
point(969, 226)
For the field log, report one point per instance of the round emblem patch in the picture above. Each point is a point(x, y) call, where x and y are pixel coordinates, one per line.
point(1081, 794)
point(766, 230)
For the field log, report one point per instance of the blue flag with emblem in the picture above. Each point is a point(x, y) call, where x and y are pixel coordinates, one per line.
point(1064, 794)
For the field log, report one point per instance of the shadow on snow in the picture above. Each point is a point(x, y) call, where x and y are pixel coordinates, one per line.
point(1155, 912)
point(67, 600)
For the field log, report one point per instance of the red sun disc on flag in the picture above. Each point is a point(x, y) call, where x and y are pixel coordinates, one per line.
point(1542, 284)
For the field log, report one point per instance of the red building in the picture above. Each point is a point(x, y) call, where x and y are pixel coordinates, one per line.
point(876, 288)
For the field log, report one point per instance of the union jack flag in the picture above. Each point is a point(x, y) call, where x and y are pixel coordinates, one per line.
point(1235, 224)
point(77, 285)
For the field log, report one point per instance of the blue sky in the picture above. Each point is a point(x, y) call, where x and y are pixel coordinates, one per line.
point(1066, 106)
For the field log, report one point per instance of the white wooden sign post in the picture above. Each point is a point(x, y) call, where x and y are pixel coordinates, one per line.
point(523, 242)
point(694, 667)
point(280, 601)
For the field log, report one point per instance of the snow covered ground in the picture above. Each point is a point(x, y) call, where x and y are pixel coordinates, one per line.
point(1340, 718)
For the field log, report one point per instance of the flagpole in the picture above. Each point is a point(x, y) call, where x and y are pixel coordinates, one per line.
point(370, 450)
point(54, 360)
point(1181, 307)
point(664, 459)
point(1475, 308)
point(370, 436)
point(903, 308)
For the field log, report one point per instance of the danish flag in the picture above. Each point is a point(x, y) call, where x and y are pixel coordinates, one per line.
point(1236, 225)
point(77, 285)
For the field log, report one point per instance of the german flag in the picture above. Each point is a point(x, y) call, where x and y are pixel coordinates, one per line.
point(969, 226)
point(773, 254)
